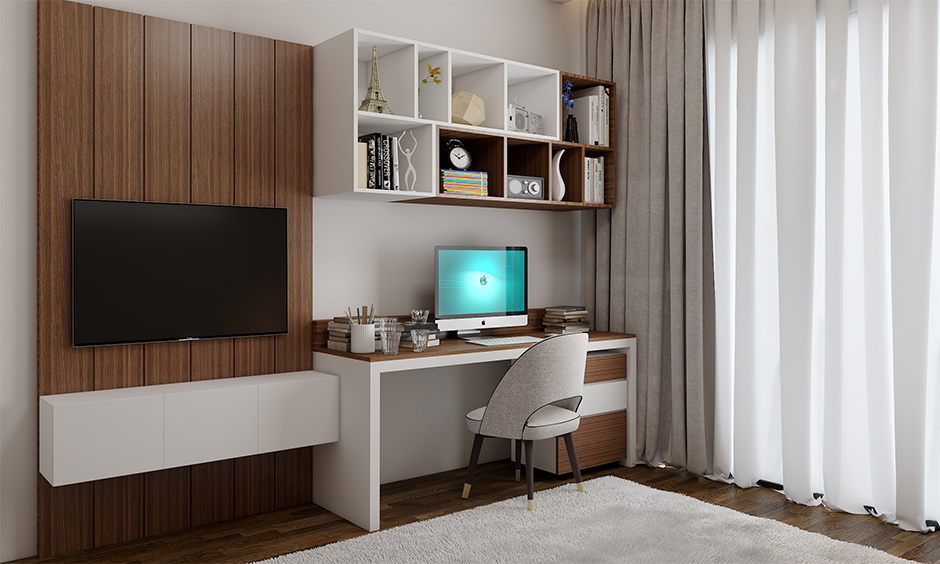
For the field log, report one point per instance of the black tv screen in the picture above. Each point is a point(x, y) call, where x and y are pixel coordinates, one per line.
point(148, 271)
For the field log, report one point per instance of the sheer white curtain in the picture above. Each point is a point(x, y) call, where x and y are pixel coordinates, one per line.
point(823, 124)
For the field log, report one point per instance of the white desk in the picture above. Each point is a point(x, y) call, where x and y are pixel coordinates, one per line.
point(346, 473)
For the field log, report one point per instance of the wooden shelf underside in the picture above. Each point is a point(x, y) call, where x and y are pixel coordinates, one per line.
point(508, 203)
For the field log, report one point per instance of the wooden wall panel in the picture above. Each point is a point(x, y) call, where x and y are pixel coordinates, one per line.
point(254, 186)
point(213, 75)
point(294, 190)
point(140, 108)
point(166, 501)
point(119, 175)
point(254, 484)
point(167, 131)
point(65, 98)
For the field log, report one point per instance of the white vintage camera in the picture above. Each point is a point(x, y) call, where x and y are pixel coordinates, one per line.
point(523, 120)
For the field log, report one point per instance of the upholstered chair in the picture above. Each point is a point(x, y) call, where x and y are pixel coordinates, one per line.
point(536, 399)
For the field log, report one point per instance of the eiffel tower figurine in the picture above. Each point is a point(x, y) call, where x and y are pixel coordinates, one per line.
point(374, 100)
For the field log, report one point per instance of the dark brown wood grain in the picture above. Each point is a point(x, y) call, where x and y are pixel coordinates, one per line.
point(213, 116)
point(167, 110)
point(65, 133)
point(293, 184)
point(124, 497)
point(254, 175)
point(610, 166)
point(166, 501)
point(529, 159)
point(606, 367)
point(293, 477)
point(254, 479)
point(293, 190)
point(166, 363)
point(599, 440)
point(212, 492)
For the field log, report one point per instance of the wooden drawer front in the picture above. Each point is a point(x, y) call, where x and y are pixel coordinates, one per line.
point(599, 440)
point(607, 367)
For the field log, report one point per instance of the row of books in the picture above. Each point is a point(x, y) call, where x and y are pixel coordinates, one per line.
point(566, 319)
point(592, 110)
point(378, 162)
point(466, 182)
point(593, 180)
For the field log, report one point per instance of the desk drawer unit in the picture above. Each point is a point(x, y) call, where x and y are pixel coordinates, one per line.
point(602, 436)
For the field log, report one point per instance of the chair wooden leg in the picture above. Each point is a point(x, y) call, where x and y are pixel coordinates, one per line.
point(518, 458)
point(573, 459)
point(474, 457)
point(529, 473)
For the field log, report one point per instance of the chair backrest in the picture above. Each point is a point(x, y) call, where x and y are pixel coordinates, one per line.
point(549, 372)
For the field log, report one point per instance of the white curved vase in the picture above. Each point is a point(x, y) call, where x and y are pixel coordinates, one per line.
point(558, 184)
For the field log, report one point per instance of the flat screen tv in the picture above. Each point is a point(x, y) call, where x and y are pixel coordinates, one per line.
point(147, 271)
point(480, 287)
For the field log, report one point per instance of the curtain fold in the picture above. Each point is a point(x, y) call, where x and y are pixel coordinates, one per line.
point(824, 118)
point(648, 262)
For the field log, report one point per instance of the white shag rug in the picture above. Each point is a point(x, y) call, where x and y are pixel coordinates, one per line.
point(614, 520)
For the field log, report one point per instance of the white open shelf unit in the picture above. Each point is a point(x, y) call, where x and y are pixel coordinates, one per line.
point(342, 69)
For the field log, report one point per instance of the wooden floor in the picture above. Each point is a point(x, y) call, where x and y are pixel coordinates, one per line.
point(280, 532)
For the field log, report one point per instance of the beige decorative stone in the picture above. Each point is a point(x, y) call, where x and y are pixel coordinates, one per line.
point(467, 108)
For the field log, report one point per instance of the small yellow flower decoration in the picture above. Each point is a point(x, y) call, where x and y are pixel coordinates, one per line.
point(434, 74)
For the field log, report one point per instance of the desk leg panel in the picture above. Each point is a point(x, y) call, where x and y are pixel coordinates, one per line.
point(346, 473)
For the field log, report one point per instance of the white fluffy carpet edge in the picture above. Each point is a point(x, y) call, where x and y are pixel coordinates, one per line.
point(614, 520)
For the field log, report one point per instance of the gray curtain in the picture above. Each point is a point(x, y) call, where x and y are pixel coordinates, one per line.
point(649, 267)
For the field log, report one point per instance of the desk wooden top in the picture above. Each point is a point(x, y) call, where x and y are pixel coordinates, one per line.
point(460, 346)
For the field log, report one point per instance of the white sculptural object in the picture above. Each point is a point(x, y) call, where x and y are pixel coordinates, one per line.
point(411, 175)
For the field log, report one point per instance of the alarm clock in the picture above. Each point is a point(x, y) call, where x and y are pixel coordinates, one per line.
point(455, 155)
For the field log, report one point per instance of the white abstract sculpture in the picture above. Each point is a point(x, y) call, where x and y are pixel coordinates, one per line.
point(411, 176)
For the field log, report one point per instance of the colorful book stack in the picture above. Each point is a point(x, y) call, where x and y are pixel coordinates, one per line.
point(566, 319)
point(433, 334)
point(338, 337)
point(466, 182)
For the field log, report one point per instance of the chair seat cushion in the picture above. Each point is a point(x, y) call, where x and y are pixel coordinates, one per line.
point(550, 421)
point(547, 422)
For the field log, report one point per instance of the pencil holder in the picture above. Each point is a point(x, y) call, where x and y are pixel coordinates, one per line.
point(362, 338)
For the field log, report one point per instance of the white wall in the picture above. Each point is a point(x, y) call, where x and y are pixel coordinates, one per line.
point(391, 267)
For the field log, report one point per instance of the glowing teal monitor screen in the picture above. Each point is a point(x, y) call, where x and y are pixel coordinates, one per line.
point(480, 281)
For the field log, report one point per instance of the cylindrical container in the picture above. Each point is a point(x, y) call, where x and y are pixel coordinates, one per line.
point(419, 338)
point(390, 339)
point(362, 338)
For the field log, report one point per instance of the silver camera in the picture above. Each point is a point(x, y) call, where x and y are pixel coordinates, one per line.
point(523, 120)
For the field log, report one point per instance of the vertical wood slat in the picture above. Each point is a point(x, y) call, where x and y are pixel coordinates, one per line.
point(212, 491)
point(254, 478)
point(166, 178)
point(118, 175)
point(65, 108)
point(293, 189)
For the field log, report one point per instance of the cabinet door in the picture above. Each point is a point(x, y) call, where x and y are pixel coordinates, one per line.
point(600, 439)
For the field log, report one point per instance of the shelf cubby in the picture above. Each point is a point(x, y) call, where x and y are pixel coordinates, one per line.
point(397, 73)
point(525, 157)
point(537, 91)
point(486, 78)
point(434, 99)
point(487, 153)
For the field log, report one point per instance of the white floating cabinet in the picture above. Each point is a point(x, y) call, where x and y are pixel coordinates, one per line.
point(103, 434)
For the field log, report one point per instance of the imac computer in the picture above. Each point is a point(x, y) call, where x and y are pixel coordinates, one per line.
point(480, 287)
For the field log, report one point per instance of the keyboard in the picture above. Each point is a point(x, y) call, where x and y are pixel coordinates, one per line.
point(499, 341)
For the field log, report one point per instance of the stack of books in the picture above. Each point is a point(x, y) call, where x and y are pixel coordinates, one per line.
point(593, 180)
point(378, 162)
point(433, 334)
point(566, 319)
point(592, 110)
point(339, 335)
point(466, 182)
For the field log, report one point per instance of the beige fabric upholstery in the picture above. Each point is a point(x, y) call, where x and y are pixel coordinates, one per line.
point(538, 396)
